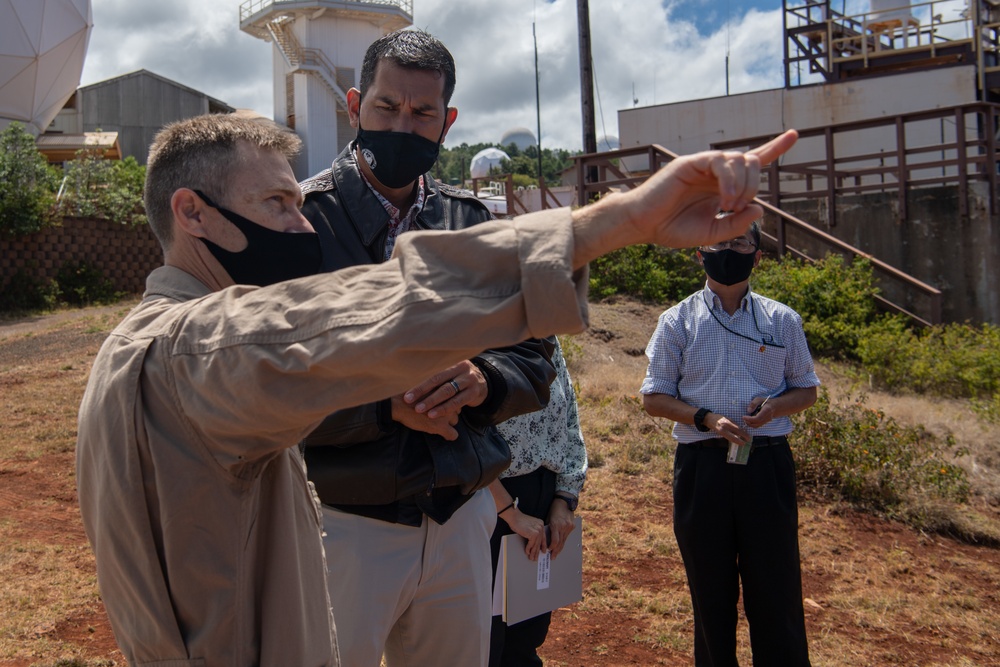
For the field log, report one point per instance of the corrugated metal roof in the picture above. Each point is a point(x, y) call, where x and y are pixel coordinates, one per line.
point(213, 102)
point(63, 147)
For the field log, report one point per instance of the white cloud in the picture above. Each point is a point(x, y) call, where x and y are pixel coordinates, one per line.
point(643, 45)
point(197, 43)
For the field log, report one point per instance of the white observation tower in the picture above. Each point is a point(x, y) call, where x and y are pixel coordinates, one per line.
point(319, 46)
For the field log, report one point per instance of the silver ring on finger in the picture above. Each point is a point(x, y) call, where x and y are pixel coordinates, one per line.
point(454, 385)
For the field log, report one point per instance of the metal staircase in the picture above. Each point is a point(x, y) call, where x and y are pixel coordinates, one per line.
point(301, 59)
point(273, 21)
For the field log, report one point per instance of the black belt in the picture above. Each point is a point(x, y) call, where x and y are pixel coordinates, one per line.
point(758, 441)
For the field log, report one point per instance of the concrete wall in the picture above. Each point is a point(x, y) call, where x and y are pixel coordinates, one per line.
point(689, 127)
point(123, 253)
point(960, 257)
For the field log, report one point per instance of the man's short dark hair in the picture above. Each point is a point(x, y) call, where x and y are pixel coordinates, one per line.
point(199, 153)
point(410, 49)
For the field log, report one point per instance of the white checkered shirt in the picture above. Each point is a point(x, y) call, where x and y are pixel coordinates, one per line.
point(695, 359)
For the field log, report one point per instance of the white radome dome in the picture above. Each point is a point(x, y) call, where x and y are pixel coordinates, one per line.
point(521, 137)
point(484, 160)
point(608, 143)
point(42, 47)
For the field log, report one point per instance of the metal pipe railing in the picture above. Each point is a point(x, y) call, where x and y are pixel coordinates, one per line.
point(970, 155)
point(252, 7)
point(658, 156)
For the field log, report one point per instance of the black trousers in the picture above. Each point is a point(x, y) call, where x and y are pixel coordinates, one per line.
point(736, 524)
point(517, 645)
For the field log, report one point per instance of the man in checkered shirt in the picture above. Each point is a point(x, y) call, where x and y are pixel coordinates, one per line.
point(728, 367)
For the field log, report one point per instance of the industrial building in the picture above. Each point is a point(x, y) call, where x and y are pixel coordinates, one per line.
point(898, 108)
point(319, 46)
point(135, 106)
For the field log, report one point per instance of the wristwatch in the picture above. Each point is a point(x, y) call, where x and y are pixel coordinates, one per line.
point(571, 501)
point(699, 419)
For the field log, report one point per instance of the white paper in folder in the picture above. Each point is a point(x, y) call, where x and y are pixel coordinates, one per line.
point(524, 589)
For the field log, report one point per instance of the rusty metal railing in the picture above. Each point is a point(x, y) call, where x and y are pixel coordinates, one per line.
point(612, 174)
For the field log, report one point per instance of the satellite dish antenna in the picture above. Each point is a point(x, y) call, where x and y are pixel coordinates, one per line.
point(42, 47)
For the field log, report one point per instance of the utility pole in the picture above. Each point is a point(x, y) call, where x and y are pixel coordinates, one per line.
point(538, 112)
point(587, 84)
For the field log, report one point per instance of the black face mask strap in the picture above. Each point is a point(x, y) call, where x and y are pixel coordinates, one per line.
point(205, 199)
point(443, 126)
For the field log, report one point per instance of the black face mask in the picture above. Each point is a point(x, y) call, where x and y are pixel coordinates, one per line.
point(397, 158)
point(270, 257)
point(728, 267)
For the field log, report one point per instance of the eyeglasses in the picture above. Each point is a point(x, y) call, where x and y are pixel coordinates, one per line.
point(742, 245)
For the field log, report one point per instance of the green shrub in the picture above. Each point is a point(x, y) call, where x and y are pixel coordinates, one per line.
point(81, 284)
point(572, 351)
point(988, 408)
point(24, 293)
point(868, 459)
point(646, 271)
point(99, 188)
point(837, 305)
point(948, 360)
point(27, 183)
point(835, 299)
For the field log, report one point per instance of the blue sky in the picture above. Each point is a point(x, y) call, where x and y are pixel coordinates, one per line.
point(709, 15)
point(653, 51)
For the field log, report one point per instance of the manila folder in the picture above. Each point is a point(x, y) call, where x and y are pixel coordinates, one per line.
point(530, 587)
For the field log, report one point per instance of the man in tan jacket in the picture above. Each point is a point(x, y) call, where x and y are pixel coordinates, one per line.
point(205, 531)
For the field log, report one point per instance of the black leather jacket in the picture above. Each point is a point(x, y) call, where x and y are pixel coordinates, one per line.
point(359, 459)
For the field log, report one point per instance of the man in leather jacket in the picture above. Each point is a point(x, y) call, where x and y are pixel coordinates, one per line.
point(406, 512)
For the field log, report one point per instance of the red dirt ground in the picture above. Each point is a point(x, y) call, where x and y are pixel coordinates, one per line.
point(37, 497)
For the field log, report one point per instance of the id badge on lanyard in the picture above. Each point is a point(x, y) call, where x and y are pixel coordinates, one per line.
point(739, 454)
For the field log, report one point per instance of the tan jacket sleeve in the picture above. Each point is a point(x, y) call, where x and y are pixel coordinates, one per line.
point(256, 367)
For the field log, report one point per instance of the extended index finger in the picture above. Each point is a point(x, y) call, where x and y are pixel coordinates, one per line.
point(775, 148)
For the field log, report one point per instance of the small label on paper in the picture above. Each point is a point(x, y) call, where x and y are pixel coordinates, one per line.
point(544, 568)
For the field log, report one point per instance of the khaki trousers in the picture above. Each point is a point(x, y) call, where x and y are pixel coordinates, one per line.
point(423, 596)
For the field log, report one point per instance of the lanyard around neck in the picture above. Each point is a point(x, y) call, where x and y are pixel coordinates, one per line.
point(766, 339)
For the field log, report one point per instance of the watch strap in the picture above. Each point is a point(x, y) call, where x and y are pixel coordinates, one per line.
point(699, 419)
point(571, 501)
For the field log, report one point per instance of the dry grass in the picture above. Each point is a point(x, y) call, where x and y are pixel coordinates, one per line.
point(872, 598)
point(878, 593)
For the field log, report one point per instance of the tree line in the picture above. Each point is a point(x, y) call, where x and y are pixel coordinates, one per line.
point(453, 164)
point(35, 194)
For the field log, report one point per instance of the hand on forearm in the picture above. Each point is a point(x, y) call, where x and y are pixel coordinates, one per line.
point(404, 413)
point(723, 427)
point(530, 528)
point(447, 392)
point(664, 405)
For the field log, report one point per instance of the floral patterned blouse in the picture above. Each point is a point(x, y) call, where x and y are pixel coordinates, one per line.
point(551, 437)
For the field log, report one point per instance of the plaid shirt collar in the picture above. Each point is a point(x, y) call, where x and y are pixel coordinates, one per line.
point(398, 223)
point(713, 300)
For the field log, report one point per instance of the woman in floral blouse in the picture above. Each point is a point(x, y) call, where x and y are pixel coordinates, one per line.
point(541, 487)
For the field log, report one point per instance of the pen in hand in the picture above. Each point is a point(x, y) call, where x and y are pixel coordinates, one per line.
point(757, 409)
